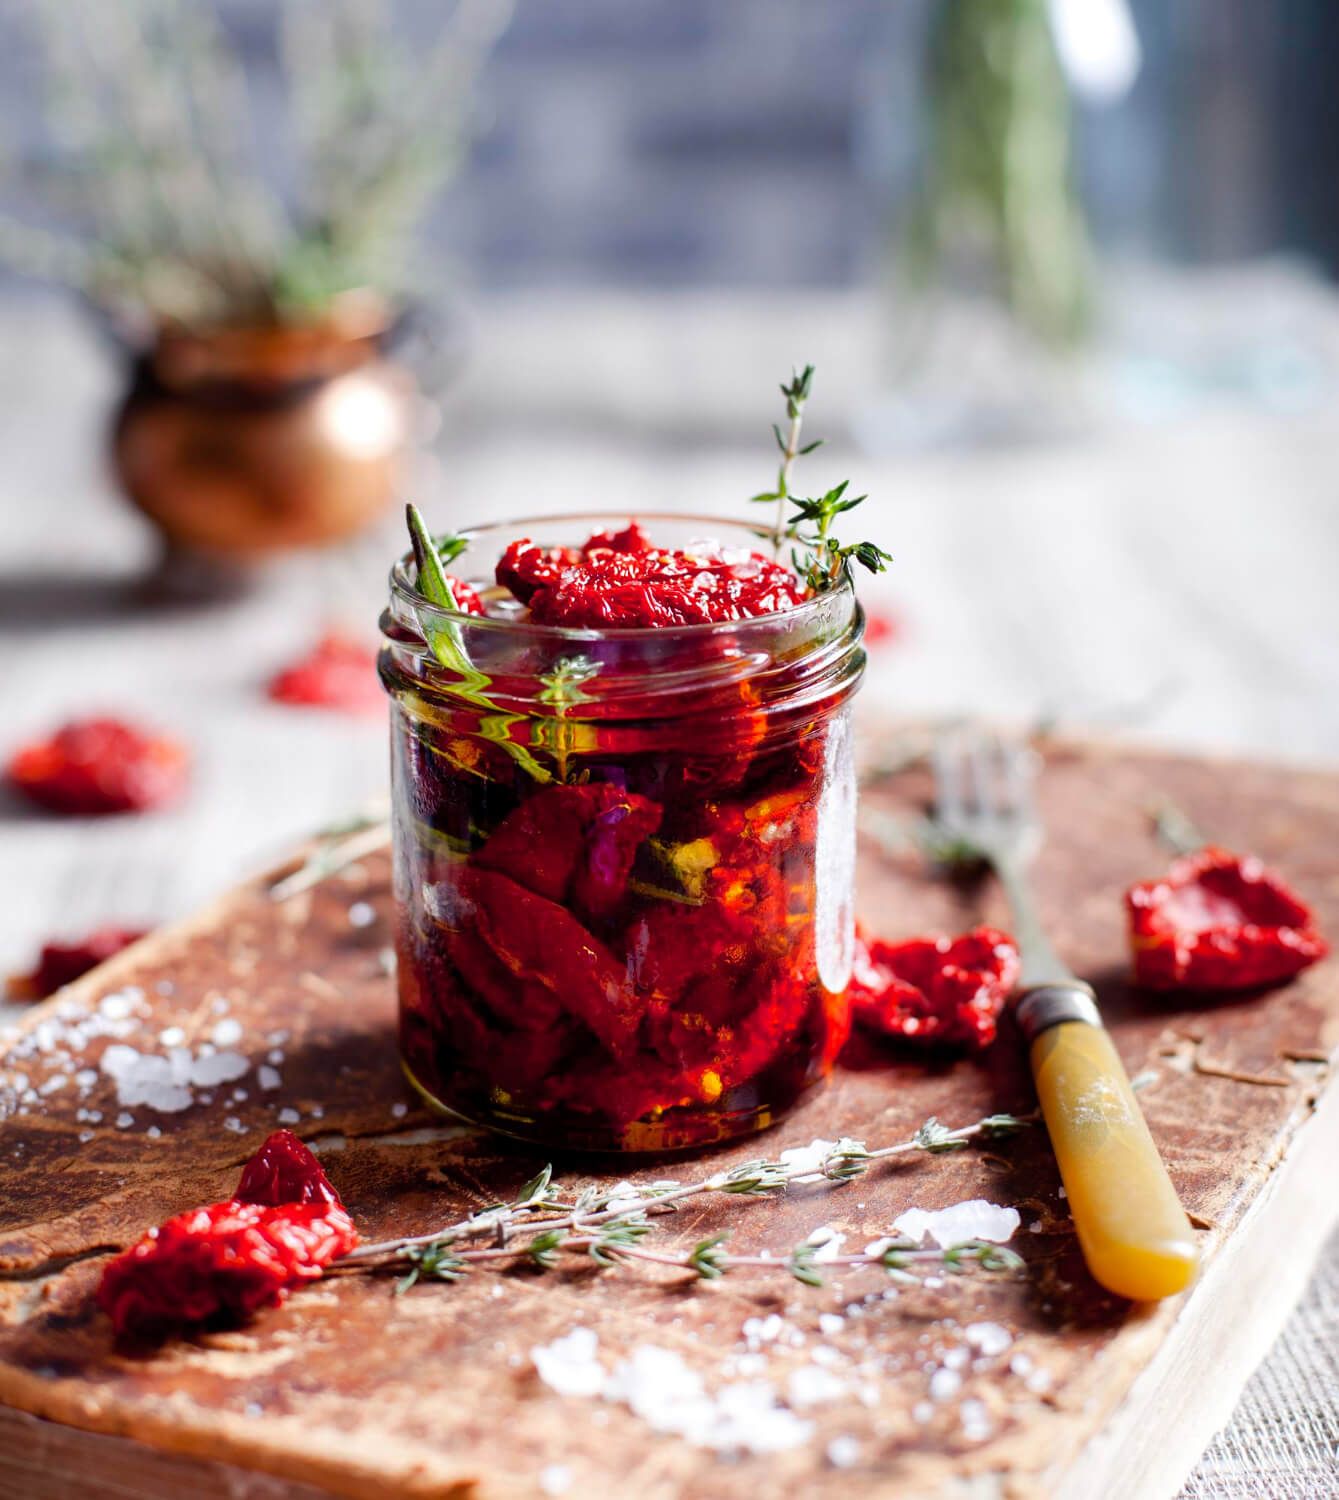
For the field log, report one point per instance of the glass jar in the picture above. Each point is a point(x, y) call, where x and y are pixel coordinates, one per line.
point(624, 859)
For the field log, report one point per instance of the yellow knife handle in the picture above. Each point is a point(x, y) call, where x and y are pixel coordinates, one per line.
point(1133, 1232)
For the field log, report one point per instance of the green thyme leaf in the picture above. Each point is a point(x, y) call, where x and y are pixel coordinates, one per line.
point(535, 1189)
point(709, 1259)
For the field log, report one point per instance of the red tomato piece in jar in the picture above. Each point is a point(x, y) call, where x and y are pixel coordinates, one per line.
point(1219, 921)
point(96, 766)
point(573, 843)
point(541, 942)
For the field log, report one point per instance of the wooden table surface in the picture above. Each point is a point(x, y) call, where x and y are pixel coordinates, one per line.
point(1176, 580)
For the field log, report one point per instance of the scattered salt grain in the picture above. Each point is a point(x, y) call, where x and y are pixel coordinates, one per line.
point(268, 1077)
point(922, 1412)
point(124, 1120)
point(843, 1452)
point(975, 1219)
point(172, 1036)
point(830, 1323)
point(1020, 1364)
point(659, 1387)
point(955, 1359)
point(828, 1242)
point(944, 1384)
point(806, 1161)
point(766, 1330)
point(362, 914)
point(153, 1132)
point(623, 1196)
point(556, 1479)
point(811, 1385)
point(235, 1125)
point(1039, 1381)
point(85, 1136)
point(219, 1005)
point(570, 1365)
point(988, 1339)
point(86, 1077)
point(975, 1421)
point(119, 1005)
point(289, 1117)
point(399, 1110)
point(227, 1033)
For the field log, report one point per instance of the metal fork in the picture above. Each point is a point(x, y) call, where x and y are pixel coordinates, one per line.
point(1132, 1229)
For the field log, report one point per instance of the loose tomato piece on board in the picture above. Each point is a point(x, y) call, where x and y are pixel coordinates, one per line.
point(1219, 921)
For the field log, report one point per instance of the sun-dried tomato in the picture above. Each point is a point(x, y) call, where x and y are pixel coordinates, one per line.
point(620, 580)
point(284, 1171)
point(221, 1263)
point(95, 766)
point(574, 844)
point(542, 943)
point(1219, 921)
point(60, 964)
point(337, 673)
point(935, 991)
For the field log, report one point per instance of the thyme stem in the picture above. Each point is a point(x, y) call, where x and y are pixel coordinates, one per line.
point(545, 1214)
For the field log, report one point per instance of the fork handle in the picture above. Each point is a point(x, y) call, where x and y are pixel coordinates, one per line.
point(1133, 1232)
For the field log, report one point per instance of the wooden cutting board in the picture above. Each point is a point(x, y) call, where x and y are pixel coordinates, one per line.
point(1036, 1385)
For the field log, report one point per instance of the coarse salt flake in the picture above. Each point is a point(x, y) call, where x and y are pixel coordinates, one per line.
point(556, 1479)
point(843, 1452)
point(988, 1339)
point(570, 1364)
point(227, 1033)
point(975, 1219)
point(806, 1160)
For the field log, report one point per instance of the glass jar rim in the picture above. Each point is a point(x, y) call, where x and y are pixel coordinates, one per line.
point(796, 615)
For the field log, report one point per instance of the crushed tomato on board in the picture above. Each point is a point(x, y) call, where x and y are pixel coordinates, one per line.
point(60, 964)
point(221, 1263)
point(96, 766)
point(1219, 921)
point(936, 992)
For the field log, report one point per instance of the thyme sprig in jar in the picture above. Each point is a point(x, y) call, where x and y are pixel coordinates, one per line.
point(624, 856)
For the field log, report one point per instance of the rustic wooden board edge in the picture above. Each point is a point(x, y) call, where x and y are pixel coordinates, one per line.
point(1227, 1324)
point(45, 1460)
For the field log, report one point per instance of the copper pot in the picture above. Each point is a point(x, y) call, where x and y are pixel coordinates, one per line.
point(244, 440)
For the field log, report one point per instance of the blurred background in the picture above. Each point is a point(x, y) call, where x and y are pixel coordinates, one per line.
point(1066, 271)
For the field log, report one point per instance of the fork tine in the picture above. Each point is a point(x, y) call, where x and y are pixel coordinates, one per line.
point(1019, 771)
point(947, 764)
point(983, 751)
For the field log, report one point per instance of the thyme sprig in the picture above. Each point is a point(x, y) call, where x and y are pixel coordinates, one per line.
point(816, 553)
point(618, 1243)
point(544, 1227)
